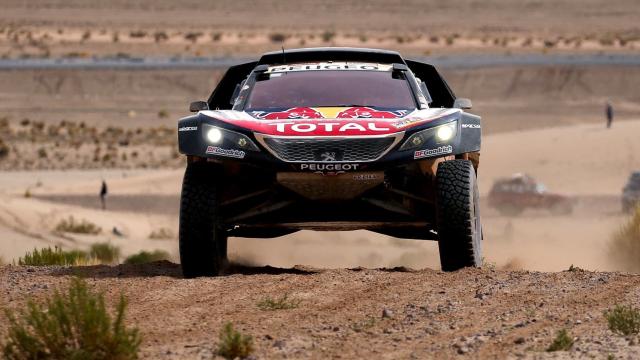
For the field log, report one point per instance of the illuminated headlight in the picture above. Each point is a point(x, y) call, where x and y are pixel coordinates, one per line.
point(444, 133)
point(214, 135)
point(439, 134)
point(227, 138)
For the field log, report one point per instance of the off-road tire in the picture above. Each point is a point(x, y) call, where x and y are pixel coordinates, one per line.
point(458, 216)
point(203, 245)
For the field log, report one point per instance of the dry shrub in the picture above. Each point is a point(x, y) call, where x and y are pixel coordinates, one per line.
point(161, 234)
point(144, 257)
point(624, 320)
point(70, 225)
point(75, 325)
point(4, 150)
point(56, 256)
point(234, 344)
point(562, 342)
point(328, 35)
point(277, 37)
point(625, 246)
point(105, 253)
point(282, 303)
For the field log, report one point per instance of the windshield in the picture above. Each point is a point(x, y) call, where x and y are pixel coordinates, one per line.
point(383, 89)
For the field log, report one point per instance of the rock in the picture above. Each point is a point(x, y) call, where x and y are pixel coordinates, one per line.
point(387, 314)
point(519, 341)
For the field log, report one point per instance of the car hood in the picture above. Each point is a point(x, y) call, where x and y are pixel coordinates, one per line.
point(331, 121)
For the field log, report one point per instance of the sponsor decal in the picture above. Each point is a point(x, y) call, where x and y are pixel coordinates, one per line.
point(359, 112)
point(471, 126)
point(370, 113)
point(293, 113)
point(328, 66)
point(306, 127)
point(188, 128)
point(214, 150)
point(442, 150)
point(329, 167)
point(406, 122)
point(365, 177)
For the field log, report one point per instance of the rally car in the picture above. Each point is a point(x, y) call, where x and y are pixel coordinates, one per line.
point(330, 139)
point(513, 195)
point(631, 193)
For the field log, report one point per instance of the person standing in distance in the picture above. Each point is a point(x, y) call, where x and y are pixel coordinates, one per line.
point(608, 110)
point(103, 194)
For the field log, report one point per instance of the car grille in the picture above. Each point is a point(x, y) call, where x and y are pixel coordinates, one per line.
point(329, 150)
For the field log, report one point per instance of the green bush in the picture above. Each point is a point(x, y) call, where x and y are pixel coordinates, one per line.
point(55, 256)
point(105, 253)
point(624, 320)
point(283, 303)
point(75, 325)
point(70, 225)
point(233, 344)
point(562, 342)
point(625, 247)
point(144, 257)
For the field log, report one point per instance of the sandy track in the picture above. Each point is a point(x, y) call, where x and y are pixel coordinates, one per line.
point(481, 313)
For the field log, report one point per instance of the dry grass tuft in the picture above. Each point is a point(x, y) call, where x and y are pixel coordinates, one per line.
point(282, 303)
point(161, 234)
point(105, 253)
point(144, 257)
point(55, 256)
point(623, 320)
point(75, 325)
point(70, 225)
point(234, 344)
point(562, 342)
point(625, 246)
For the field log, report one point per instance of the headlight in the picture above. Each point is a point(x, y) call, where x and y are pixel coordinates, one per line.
point(440, 134)
point(214, 135)
point(444, 133)
point(227, 138)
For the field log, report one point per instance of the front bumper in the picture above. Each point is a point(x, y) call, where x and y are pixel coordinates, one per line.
point(323, 153)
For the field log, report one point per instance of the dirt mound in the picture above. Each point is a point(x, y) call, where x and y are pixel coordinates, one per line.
point(429, 314)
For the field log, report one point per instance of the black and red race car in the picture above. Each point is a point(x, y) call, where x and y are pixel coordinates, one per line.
point(330, 139)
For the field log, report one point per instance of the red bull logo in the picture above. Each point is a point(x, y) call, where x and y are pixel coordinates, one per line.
point(369, 113)
point(360, 112)
point(293, 113)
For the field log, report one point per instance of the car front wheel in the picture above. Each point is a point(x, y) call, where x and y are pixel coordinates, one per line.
point(458, 216)
point(203, 244)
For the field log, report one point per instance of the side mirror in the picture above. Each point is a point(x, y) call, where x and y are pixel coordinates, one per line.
point(462, 103)
point(198, 106)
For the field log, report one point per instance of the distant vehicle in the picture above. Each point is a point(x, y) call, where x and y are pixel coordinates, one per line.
point(631, 192)
point(511, 196)
point(330, 139)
